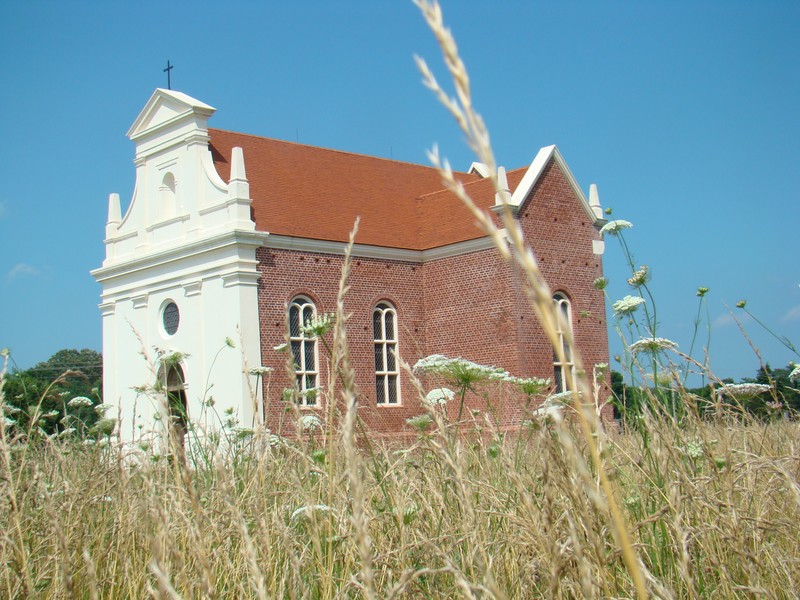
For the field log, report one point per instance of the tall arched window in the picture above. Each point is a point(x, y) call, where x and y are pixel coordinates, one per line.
point(387, 375)
point(564, 331)
point(173, 382)
point(304, 349)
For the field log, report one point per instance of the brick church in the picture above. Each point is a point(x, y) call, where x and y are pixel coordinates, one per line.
point(232, 241)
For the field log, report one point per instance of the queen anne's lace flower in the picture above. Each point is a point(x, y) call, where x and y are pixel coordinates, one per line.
point(310, 422)
point(639, 277)
point(79, 401)
point(743, 391)
point(627, 305)
point(318, 325)
point(420, 421)
point(652, 344)
point(439, 396)
point(532, 385)
point(795, 374)
point(614, 227)
point(260, 370)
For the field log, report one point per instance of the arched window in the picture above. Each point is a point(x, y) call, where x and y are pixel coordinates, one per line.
point(387, 375)
point(304, 349)
point(564, 331)
point(173, 381)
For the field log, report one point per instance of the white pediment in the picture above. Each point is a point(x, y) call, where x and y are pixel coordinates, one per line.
point(165, 108)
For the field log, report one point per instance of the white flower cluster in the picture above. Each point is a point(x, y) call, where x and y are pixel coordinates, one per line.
point(653, 344)
point(461, 369)
point(310, 422)
point(79, 401)
point(437, 363)
point(561, 397)
point(420, 421)
point(532, 385)
point(318, 325)
point(627, 305)
point(695, 449)
point(795, 374)
point(639, 277)
point(260, 370)
point(743, 391)
point(614, 227)
point(439, 396)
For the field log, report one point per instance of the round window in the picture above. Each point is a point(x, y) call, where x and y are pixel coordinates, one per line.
point(171, 318)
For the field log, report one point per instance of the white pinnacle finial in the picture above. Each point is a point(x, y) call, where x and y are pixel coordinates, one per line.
point(503, 194)
point(594, 201)
point(237, 165)
point(114, 211)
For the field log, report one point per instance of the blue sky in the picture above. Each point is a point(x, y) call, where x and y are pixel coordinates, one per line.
point(683, 113)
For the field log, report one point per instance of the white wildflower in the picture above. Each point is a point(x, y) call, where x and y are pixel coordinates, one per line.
point(743, 391)
point(600, 283)
point(430, 363)
point(420, 421)
point(627, 305)
point(260, 370)
point(310, 422)
point(318, 325)
point(532, 385)
point(101, 409)
point(281, 347)
point(79, 401)
point(67, 431)
point(639, 277)
point(614, 227)
point(653, 344)
point(439, 396)
point(694, 449)
point(276, 441)
point(795, 374)
point(561, 397)
point(50, 414)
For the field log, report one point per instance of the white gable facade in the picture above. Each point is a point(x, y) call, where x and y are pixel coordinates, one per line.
point(179, 280)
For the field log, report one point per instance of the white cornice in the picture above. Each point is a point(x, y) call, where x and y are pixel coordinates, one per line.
point(237, 237)
point(285, 242)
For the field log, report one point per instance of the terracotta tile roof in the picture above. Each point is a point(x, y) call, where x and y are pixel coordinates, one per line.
point(317, 193)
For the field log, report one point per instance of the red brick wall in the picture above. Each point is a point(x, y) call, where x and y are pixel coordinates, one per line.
point(286, 274)
point(469, 306)
point(560, 232)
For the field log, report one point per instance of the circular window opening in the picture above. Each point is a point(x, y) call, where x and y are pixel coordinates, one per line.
point(171, 318)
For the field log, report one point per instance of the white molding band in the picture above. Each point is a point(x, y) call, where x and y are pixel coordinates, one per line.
point(285, 242)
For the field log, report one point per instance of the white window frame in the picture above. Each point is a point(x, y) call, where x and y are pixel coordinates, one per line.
point(563, 307)
point(306, 376)
point(387, 369)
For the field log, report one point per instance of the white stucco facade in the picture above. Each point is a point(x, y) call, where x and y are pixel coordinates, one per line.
point(188, 239)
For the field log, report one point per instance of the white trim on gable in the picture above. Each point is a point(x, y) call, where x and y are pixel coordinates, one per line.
point(535, 171)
